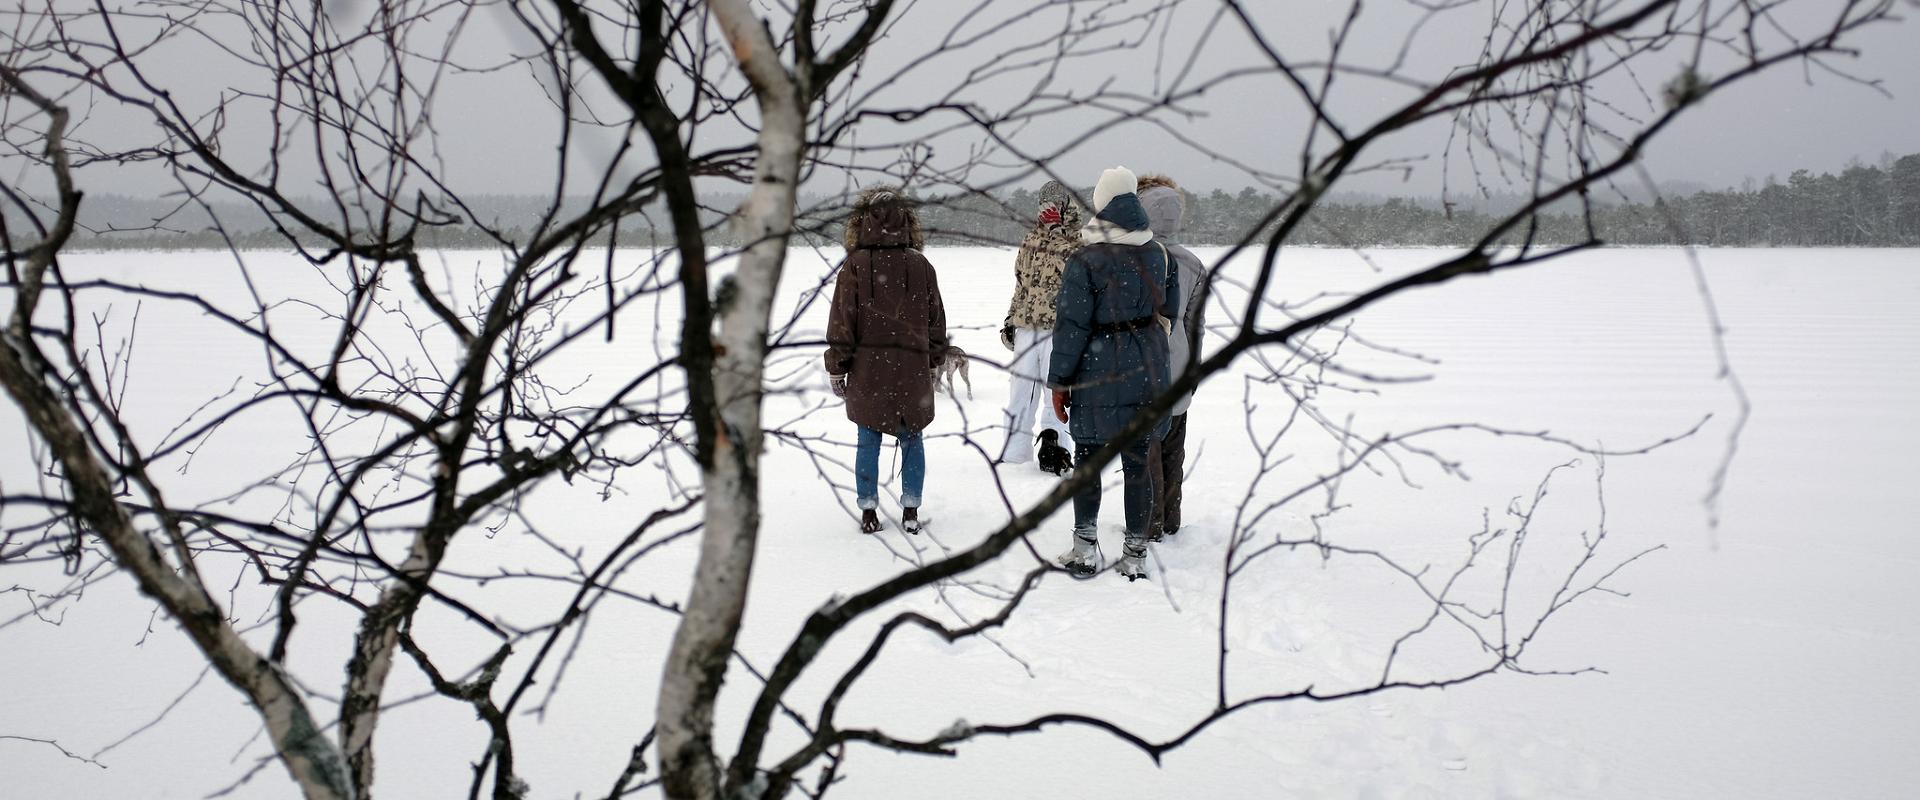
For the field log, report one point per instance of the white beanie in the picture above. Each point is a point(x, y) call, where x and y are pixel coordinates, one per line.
point(1113, 183)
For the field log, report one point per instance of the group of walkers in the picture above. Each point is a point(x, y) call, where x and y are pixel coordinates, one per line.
point(1104, 314)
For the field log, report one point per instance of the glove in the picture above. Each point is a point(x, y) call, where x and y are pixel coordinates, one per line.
point(839, 383)
point(1049, 214)
point(1166, 325)
point(1006, 336)
point(1060, 404)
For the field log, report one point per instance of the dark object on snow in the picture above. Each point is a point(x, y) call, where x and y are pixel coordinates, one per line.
point(910, 520)
point(1054, 459)
point(887, 330)
point(869, 521)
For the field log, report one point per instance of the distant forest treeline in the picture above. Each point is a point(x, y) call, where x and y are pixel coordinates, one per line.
point(1863, 206)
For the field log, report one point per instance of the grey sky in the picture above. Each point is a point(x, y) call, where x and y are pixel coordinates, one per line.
point(1772, 123)
point(497, 130)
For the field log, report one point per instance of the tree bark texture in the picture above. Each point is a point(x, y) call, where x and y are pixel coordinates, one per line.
point(697, 661)
point(313, 761)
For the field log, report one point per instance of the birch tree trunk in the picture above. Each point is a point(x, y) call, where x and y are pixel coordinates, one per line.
point(697, 661)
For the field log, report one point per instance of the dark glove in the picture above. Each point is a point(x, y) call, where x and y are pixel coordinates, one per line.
point(1060, 404)
point(1006, 336)
point(839, 383)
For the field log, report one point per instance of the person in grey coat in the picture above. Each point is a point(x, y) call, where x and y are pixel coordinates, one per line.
point(1110, 359)
point(1167, 459)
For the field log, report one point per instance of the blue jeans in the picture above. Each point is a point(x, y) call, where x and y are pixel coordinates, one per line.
point(1136, 490)
point(913, 468)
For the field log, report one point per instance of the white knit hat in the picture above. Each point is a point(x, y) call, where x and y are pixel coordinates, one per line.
point(1113, 183)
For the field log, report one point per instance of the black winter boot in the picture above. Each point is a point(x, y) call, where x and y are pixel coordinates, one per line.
point(1054, 459)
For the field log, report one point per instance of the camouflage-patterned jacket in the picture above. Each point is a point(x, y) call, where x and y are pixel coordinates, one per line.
point(1037, 271)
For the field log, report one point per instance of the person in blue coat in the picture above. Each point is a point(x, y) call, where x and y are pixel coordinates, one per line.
point(1111, 359)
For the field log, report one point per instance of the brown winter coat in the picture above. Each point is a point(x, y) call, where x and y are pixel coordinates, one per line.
point(887, 328)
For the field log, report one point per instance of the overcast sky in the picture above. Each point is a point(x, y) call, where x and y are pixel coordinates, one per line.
point(496, 131)
point(1773, 123)
point(1789, 118)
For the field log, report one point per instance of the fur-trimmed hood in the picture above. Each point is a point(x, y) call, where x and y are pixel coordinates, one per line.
point(883, 216)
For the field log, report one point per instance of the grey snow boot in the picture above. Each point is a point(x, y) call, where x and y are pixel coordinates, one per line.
point(1133, 559)
point(1083, 561)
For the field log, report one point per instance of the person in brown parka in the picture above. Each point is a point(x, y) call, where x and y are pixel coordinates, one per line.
point(886, 333)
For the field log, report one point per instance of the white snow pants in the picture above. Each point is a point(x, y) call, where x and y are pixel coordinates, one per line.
point(1026, 392)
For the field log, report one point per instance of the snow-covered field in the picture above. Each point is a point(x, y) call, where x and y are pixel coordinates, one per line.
point(1765, 657)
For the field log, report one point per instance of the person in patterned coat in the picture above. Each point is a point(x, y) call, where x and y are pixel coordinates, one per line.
point(1028, 331)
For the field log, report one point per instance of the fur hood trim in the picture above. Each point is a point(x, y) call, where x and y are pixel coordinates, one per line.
point(883, 216)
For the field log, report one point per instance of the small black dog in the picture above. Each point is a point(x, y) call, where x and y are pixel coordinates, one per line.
point(1054, 459)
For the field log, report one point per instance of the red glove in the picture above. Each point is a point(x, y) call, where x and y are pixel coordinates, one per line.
point(1060, 404)
point(1049, 215)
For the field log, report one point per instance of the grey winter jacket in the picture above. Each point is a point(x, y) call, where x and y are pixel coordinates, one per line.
point(1107, 350)
point(1165, 210)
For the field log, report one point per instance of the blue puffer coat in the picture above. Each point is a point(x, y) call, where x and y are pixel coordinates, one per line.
point(1108, 351)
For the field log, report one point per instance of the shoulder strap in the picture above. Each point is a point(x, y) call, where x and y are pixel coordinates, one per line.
point(1155, 287)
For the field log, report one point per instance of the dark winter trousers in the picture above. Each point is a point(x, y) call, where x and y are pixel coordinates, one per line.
point(1167, 468)
point(1138, 491)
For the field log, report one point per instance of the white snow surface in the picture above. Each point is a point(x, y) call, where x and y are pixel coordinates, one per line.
point(1768, 657)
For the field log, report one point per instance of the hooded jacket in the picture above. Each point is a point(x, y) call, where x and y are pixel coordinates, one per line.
point(1043, 254)
point(1107, 350)
point(887, 327)
point(1165, 212)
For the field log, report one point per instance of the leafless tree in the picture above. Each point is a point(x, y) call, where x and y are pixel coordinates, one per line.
point(420, 408)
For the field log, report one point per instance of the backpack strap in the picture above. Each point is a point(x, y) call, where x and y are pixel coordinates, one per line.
point(1159, 292)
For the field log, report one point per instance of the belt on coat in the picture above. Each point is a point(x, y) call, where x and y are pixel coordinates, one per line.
point(1121, 327)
